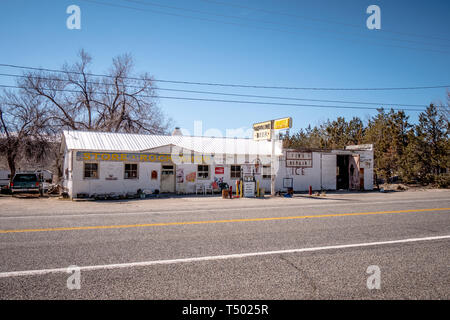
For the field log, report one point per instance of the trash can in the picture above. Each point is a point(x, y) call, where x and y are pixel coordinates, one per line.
point(261, 192)
point(225, 194)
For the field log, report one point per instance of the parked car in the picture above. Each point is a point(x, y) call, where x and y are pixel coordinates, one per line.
point(27, 183)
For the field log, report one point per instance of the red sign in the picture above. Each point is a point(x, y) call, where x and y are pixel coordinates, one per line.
point(220, 170)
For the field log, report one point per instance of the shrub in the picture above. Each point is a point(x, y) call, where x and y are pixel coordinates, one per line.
point(442, 180)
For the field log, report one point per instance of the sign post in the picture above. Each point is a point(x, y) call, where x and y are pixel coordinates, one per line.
point(268, 130)
point(272, 166)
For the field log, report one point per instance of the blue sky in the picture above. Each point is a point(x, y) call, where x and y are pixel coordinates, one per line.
point(293, 50)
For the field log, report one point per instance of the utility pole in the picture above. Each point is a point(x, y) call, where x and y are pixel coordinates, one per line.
point(272, 163)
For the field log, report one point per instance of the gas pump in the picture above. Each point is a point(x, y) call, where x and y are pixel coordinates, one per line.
point(249, 182)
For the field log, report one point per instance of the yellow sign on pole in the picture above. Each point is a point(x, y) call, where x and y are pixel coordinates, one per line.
point(284, 123)
point(263, 130)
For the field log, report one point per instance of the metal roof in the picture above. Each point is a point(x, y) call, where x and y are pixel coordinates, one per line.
point(128, 142)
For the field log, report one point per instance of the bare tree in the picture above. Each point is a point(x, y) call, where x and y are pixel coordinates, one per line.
point(115, 102)
point(76, 99)
point(23, 123)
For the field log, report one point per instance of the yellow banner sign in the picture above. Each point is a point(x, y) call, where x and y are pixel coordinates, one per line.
point(140, 157)
point(284, 123)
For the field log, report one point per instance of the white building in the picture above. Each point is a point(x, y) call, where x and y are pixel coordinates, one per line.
point(349, 169)
point(103, 163)
point(121, 163)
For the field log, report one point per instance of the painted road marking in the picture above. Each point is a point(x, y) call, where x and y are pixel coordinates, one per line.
point(129, 213)
point(217, 221)
point(212, 258)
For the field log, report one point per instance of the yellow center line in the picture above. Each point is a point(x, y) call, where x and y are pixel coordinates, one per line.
point(218, 221)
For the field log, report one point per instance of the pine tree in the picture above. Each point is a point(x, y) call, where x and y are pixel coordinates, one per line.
point(433, 143)
point(377, 134)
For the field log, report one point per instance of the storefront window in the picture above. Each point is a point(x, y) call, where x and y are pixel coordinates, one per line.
point(203, 172)
point(167, 170)
point(131, 171)
point(266, 172)
point(235, 172)
point(91, 170)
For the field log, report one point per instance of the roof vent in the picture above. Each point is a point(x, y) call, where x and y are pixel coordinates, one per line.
point(177, 132)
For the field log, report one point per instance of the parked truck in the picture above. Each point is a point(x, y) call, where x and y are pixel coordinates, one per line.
point(27, 183)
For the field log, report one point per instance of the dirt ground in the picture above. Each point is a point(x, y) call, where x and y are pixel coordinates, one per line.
point(12, 206)
point(405, 187)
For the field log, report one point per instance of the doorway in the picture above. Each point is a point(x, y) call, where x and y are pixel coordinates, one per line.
point(342, 172)
point(361, 179)
point(168, 179)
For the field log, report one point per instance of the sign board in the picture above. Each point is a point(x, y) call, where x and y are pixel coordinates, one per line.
point(139, 157)
point(298, 159)
point(262, 131)
point(219, 170)
point(249, 189)
point(284, 123)
point(288, 183)
point(248, 169)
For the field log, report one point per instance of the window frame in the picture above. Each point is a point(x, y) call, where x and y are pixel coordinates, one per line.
point(207, 172)
point(231, 171)
point(267, 176)
point(163, 170)
point(124, 171)
point(84, 171)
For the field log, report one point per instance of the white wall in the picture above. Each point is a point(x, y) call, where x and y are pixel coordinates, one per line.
point(329, 163)
point(303, 178)
point(322, 175)
point(76, 183)
point(366, 162)
point(116, 169)
point(190, 186)
point(67, 172)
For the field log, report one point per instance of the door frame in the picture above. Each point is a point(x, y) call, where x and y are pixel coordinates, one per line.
point(173, 185)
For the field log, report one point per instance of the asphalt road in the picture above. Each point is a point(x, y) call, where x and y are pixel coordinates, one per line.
point(211, 248)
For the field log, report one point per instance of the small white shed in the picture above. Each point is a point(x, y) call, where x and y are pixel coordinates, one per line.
point(348, 169)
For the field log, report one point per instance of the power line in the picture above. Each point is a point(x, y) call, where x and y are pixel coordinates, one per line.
point(360, 35)
point(257, 27)
point(232, 85)
point(321, 20)
point(225, 101)
point(224, 93)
